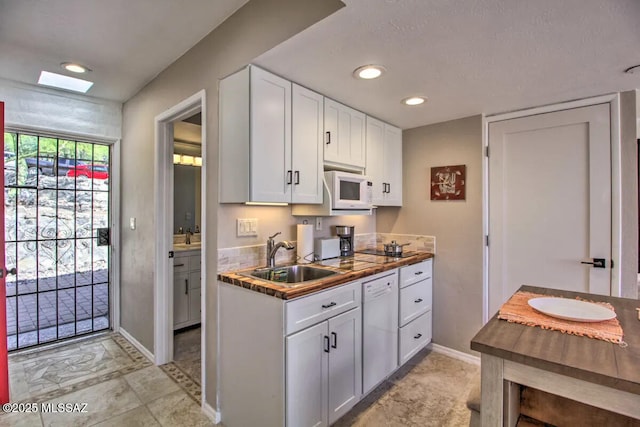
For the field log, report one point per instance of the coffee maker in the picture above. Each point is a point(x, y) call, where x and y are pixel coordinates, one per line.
point(346, 233)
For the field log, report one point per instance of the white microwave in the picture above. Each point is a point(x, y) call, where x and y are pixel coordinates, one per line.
point(349, 190)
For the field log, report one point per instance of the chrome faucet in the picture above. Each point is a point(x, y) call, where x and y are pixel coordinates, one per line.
point(272, 248)
point(187, 237)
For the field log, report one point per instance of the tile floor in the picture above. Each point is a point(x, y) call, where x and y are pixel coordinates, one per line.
point(122, 388)
point(119, 386)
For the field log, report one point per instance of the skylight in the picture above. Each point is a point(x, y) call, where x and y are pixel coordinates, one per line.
point(64, 82)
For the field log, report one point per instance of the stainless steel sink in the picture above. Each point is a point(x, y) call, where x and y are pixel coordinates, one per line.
point(291, 275)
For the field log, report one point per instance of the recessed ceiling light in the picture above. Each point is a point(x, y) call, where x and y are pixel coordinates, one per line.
point(369, 72)
point(64, 82)
point(633, 70)
point(414, 100)
point(74, 67)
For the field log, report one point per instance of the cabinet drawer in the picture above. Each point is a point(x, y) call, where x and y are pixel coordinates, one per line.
point(194, 262)
point(414, 273)
point(315, 308)
point(414, 336)
point(180, 264)
point(415, 300)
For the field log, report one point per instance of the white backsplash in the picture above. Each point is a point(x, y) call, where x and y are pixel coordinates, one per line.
point(242, 257)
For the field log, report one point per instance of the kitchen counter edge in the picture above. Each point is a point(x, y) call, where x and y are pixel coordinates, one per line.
point(236, 278)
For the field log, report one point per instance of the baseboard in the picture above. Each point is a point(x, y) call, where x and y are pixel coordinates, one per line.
point(465, 357)
point(142, 349)
point(211, 413)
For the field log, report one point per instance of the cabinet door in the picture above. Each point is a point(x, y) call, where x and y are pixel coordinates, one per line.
point(393, 165)
point(271, 173)
point(345, 363)
point(344, 135)
point(375, 159)
point(194, 305)
point(180, 298)
point(306, 378)
point(307, 145)
point(194, 296)
point(331, 114)
point(357, 142)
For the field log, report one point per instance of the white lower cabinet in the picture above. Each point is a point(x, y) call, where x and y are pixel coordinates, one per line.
point(324, 370)
point(186, 289)
point(416, 303)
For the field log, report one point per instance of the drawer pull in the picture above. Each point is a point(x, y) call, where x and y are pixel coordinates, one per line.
point(417, 273)
point(329, 305)
point(178, 265)
point(418, 301)
point(335, 340)
point(418, 336)
point(326, 344)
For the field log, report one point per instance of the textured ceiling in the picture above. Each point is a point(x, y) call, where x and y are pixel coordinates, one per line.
point(468, 57)
point(125, 42)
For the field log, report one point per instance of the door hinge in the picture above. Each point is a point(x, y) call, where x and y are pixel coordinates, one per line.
point(486, 240)
point(170, 254)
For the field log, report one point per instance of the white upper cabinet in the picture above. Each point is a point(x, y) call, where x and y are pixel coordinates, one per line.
point(384, 162)
point(268, 153)
point(270, 140)
point(344, 140)
point(306, 145)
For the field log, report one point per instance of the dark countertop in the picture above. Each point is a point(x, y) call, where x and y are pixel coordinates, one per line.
point(348, 268)
point(587, 359)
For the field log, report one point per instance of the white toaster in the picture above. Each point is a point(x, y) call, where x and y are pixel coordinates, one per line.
point(325, 248)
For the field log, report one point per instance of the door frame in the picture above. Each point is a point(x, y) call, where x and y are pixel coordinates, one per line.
point(616, 182)
point(163, 187)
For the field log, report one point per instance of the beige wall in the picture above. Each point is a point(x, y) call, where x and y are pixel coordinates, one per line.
point(457, 225)
point(252, 30)
point(272, 219)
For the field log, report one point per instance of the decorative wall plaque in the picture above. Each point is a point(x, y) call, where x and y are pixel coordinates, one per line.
point(448, 182)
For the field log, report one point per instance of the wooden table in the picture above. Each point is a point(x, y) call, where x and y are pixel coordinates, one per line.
point(587, 370)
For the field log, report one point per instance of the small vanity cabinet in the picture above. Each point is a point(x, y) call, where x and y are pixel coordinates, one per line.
point(186, 288)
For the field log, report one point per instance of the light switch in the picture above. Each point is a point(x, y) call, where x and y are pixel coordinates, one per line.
point(132, 223)
point(246, 227)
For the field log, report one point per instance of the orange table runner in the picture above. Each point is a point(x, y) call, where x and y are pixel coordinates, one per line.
point(518, 310)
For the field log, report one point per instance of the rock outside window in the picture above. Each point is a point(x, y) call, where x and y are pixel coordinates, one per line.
point(448, 182)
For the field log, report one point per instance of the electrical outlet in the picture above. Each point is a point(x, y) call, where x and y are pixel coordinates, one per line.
point(318, 223)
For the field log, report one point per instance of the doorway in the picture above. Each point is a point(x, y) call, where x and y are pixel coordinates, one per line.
point(57, 216)
point(165, 231)
point(551, 201)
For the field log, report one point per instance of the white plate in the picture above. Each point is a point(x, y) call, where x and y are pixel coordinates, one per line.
point(572, 309)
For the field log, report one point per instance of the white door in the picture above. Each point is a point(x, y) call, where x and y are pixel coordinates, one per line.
point(550, 202)
point(307, 145)
point(345, 363)
point(307, 378)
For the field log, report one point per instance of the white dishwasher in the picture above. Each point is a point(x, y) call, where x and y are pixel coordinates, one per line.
point(379, 329)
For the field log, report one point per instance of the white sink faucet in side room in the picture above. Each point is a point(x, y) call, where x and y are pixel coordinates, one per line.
point(273, 247)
